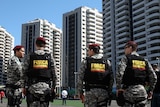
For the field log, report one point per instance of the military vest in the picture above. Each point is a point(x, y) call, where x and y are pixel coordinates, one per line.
point(39, 66)
point(136, 71)
point(97, 72)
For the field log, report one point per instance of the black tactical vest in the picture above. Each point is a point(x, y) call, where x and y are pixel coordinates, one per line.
point(136, 71)
point(97, 72)
point(39, 66)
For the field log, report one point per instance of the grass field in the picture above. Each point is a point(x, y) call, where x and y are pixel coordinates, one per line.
point(74, 103)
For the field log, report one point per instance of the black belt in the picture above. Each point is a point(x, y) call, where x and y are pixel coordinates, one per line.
point(34, 81)
point(12, 86)
point(126, 86)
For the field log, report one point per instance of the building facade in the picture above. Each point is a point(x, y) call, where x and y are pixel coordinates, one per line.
point(53, 36)
point(81, 27)
point(136, 20)
point(6, 51)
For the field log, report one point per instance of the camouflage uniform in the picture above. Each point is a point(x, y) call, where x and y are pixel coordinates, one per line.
point(13, 83)
point(95, 96)
point(36, 92)
point(134, 93)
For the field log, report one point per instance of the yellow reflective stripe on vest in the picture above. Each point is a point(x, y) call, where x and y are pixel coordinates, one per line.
point(97, 67)
point(137, 64)
point(40, 63)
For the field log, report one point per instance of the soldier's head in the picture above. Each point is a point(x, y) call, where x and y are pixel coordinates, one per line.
point(130, 46)
point(19, 51)
point(93, 49)
point(40, 42)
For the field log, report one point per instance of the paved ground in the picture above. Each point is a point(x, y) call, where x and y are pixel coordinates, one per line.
point(113, 104)
point(4, 104)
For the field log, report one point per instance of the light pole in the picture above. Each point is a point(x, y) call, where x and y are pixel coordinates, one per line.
point(158, 59)
point(59, 91)
point(75, 73)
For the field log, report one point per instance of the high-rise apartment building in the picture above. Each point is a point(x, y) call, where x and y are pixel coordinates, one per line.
point(81, 27)
point(6, 51)
point(53, 35)
point(136, 20)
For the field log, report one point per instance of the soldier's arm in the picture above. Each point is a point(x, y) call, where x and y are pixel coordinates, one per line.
point(152, 77)
point(81, 77)
point(12, 71)
point(25, 66)
point(119, 74)
point(53, 72)
point(10, 67)
point(111, 81)
point(12, 64)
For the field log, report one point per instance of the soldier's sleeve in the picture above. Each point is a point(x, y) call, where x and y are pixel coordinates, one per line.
point(111, 81)
point(11, 69)
point(19, 73)
point(120, 72)
point(12, 65)
point(81, 77)
point(152, 77)
point(25, 68)
point(53, 71)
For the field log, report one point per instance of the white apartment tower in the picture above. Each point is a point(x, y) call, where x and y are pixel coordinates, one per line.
point(136, 20)
point(81, 27)
point(53, 36)
point(6, 51)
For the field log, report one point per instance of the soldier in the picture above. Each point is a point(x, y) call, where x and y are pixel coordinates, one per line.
point(39, 75)
point(133, 72)
point(155, 102)
point(96, 73)
point(14, 72)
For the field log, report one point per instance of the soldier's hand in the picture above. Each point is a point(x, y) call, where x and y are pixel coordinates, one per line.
point(119, 91)
point(150, 95)
point(82, 97)
point(24, 91)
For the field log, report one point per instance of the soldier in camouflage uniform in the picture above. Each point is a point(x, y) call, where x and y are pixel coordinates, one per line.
point(14, 72)
point(97, 76)
point(133, 73)
point(155, 102)
point(39, 75)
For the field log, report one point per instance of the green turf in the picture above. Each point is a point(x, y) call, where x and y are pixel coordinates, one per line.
point(73, 103)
